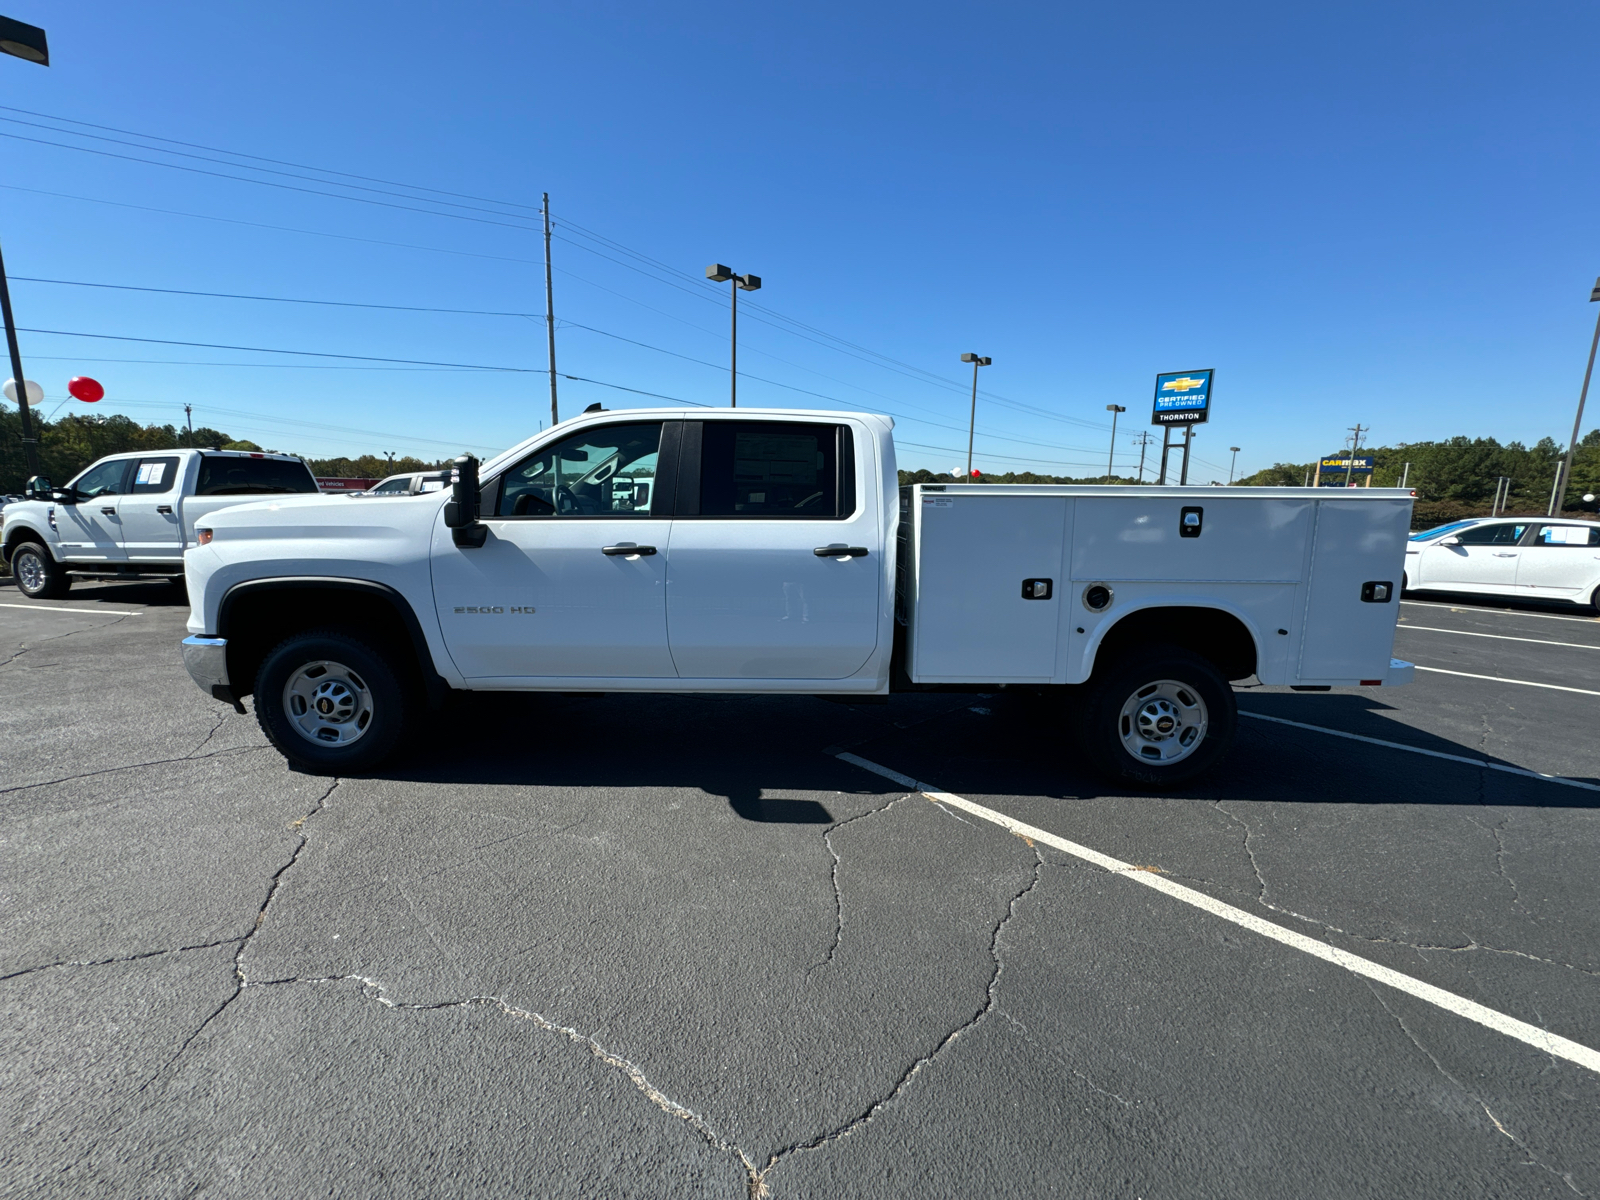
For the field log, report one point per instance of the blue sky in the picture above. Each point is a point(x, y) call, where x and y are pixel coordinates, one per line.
point(1373, 213)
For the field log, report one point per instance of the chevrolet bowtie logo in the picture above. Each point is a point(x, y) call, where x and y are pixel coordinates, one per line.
point(1182, 384)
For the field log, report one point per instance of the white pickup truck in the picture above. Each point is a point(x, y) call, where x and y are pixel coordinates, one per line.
point(773, 551)
point(133, 514)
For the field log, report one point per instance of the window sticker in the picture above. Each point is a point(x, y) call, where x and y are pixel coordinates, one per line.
point(150, 474)
point(1564, 535)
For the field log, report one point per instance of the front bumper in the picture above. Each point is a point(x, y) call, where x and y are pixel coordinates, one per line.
point(206, 660)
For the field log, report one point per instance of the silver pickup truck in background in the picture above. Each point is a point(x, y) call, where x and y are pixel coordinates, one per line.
point(133, 514)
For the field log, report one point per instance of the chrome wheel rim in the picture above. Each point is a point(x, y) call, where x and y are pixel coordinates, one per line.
point(327, 703)
point(1163, 722)
point(30, 572)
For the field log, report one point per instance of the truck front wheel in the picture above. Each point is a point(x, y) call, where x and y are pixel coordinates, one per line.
point(1159, 717)
point(39, 577)
point(331, 703)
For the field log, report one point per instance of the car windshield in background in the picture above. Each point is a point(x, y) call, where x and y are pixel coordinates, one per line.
point(228, 476)
point(1427, 535)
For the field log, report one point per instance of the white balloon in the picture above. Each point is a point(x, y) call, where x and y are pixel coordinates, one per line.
point(35, 392)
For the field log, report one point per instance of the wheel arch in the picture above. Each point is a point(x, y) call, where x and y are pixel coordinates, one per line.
point(1215, 632)
point(256, 615)
point(25, 533)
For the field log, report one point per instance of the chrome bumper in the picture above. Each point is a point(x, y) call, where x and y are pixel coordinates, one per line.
point(206, 660)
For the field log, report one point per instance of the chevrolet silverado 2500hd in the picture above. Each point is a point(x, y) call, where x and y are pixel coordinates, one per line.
point(133, 514)
point(772, 551)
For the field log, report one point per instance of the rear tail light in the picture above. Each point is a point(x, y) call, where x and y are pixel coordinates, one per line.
point(202, 536)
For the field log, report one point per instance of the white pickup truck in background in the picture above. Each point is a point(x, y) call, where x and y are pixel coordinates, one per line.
point(133, 514)
point(772, 551)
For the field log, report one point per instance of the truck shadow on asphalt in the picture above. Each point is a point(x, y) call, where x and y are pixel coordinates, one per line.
point(769, 756)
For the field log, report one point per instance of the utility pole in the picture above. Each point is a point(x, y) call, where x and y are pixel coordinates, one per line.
point(1563, 473)
point(1355, 444)
point(550, 312)
point(1142, 441)
point(27, 42)
point(1113, 409)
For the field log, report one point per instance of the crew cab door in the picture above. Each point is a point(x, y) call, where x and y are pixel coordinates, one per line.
point(148, 513)
point(1560, 561)
point(1483, 560)
point(88, 529)
point(570, 583)
point(775, 563)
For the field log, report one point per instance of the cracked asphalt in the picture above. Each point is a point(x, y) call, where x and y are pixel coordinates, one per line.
point(649, 946)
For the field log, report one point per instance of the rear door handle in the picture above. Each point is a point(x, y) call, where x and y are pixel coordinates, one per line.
point(110, 512)
point(840, 550)
point(164, 508)
point(627, 549)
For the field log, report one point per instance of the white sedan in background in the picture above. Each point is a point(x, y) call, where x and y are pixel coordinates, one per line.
point(1528, 557)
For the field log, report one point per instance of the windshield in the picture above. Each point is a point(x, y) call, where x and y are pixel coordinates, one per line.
point(229, 476)
point(1427, 535)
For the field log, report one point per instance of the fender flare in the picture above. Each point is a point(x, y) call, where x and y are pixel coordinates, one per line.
point(435, 684)
point(1091, 651)
point(26, 531)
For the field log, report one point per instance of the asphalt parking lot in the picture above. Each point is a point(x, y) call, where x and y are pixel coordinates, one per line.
point(645, 946)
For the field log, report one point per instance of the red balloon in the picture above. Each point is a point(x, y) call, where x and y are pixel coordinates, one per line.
point(86, 389)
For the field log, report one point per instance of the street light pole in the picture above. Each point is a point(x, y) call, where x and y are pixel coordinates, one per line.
point(972, 421)
point(1558, 494)
point(1232, 462)
point(28, 43)
point(1111, 454)
point(718, 273)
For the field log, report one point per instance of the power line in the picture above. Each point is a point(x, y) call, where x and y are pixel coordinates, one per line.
point(128, 287)
point(114, 337)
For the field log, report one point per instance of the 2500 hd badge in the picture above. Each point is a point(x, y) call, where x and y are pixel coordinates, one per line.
point(486, 610)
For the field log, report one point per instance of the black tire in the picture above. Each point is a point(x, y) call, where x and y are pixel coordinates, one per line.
point(1164, 675)
point(38, 576)
point(359, 681)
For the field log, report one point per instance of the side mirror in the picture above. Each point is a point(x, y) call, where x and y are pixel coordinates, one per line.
point(1451, 541)
point(461, 510)
point(38, 488)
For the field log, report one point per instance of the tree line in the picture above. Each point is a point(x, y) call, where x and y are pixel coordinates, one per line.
point(72, 443)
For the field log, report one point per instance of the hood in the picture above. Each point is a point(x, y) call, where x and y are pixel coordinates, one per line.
point(333, 515)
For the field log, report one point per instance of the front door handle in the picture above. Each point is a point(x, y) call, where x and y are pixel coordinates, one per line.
point(840, 550)
point(1503, 554)
point(110, 512)
point(164, 508)
point(627, 549)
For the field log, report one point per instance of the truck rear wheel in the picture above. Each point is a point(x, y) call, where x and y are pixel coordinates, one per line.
point(1159, 717)
point(331, 703)
point(38, 576)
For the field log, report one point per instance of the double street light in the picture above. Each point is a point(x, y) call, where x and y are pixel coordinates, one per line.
point(26, 42)
point(972, 423)
point(718, 273)
point(1111, 454)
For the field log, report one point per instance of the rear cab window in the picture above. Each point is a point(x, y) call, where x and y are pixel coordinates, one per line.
point(1567, 536)
point(227, 475)
point(781, 470)
point(154, 476)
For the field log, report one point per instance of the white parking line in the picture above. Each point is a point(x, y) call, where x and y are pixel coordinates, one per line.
point(1540, 1039)
point(1513, 612)
point(1500, 636)
point(1460, 758)
point(1554, 687)
point(110, 612)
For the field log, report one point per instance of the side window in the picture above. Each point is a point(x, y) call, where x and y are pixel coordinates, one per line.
point(102, 480)
point(391, 487)
point(154, 475)
point(1504, 534)
point(609, 471)
point(1567, 535)
point(768, 469)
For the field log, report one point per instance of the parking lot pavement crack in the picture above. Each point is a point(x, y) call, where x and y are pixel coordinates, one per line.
point(1047, 1052)
point(838, 896)
point(138, 766)
point(221, 720)
point(1261, 882)
point(1498, 832)
point(758, 1184)
point(56, 637)
point(1530, 1158)
point(240, 980)
point(120, 958)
